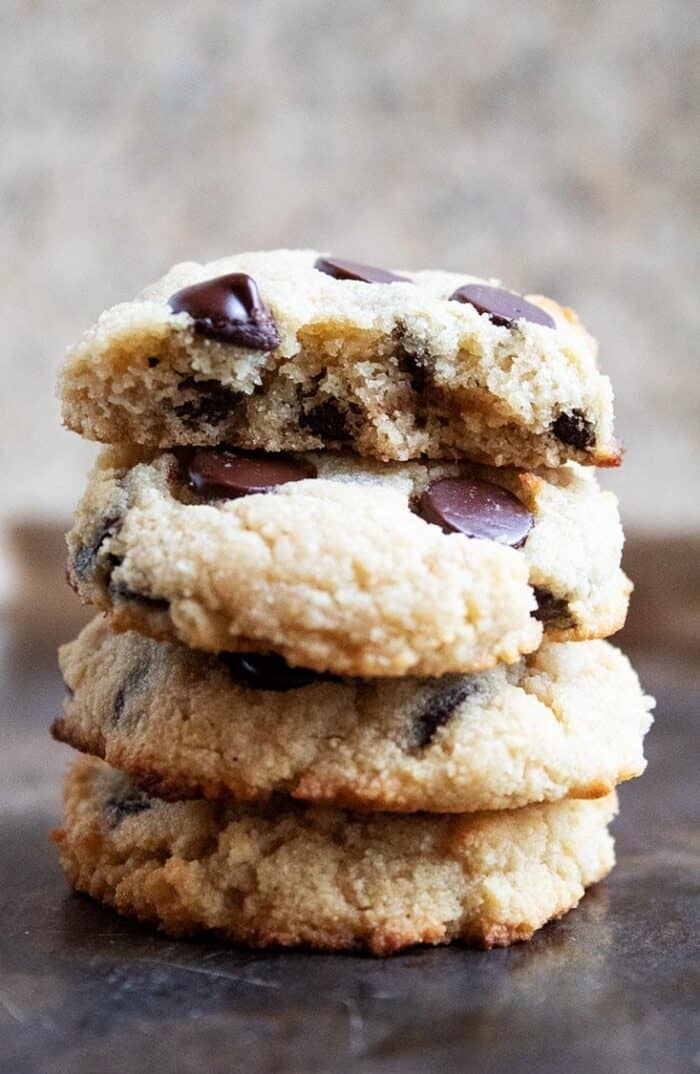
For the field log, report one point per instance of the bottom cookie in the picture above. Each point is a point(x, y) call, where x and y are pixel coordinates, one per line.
point(285, 873)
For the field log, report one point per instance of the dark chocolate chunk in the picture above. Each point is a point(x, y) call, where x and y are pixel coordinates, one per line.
point(575, 430)
point(477, 509)
point(415, 369)
point(119, 592)
point(441, 706)
point(552, 609)
point(212, 403)
point(217, 472)
point(85, 559)
point(326, 420)
point(340, 269)
point(502, 307)
point(153, 362)
point(127, 805)
point(267, 671)
point(118, 705)
point(229, 308)
point(416, 363)
point(128, 686)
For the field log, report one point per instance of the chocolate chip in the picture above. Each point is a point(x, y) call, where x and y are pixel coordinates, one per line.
point(441, 706)
point(415, 369)
point(415, 361)
point(128, 686)
point(218, 472)
point(212, 403)
point(118, 704)
point(326, 420)
point(153, 362)
point(477, 509)
point(575, 430)
point(229, 308)
point(85, 559)
point(502, 307)
point(127, 805)
point(340, 269)
point(552, 609)
point(267, 671)
point(120, 592)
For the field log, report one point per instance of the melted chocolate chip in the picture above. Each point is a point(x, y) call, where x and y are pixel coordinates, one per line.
point(212, 403)
point(118, 592)
point(415, 369)
point(477, 509)
point(417, 364)
point(229, 308)
point(217, 472)
point(552, 609)
point(267, 671)
point(127, 805)
point(502, 307)
point(119, 703)
point(340, 269)
point(128, 686)
point(575, 430)
point(327, 421)
point(85, 559)
point(441, 706)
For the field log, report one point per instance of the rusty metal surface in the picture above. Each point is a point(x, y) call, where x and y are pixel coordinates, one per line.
point(612, 987)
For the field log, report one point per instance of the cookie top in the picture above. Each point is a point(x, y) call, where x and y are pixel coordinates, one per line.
point(290, 351)
point(567, 721)
point(286, 874)
point(364, 569)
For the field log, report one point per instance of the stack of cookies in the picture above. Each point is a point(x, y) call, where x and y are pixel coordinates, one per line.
point(350, 686)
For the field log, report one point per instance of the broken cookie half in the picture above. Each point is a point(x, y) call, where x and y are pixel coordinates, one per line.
point(289, 350)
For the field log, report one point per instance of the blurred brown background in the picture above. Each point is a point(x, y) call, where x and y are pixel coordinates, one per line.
point(550, 144)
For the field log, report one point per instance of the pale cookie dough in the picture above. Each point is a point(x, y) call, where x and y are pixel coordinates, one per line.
point(394, 371)
point(339, 573)
point(287, 874)
point(567, 721)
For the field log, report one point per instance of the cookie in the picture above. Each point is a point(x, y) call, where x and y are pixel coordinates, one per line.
point(286, 874)
point(363, 569)
point(289, 351)
point(568, 721)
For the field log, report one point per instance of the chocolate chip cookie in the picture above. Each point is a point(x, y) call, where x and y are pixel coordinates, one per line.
point(290, 350)
point(347, 565)
point(568, 721)
point(286, 874)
